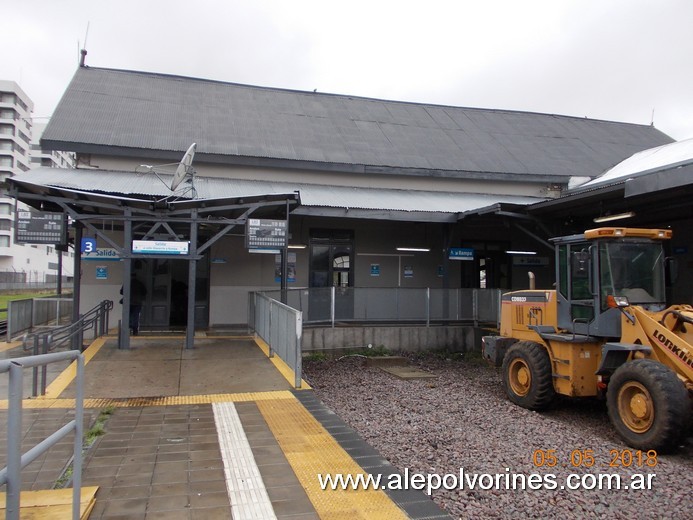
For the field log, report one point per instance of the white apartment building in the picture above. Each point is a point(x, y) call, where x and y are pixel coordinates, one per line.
point(19, 152)
point(47, 158)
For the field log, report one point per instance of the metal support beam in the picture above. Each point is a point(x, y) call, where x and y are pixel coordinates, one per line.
point(543, 242)
point(285, 260)
point(127, 283)
point(192, 271)
point(447, 239)
point(76, 291)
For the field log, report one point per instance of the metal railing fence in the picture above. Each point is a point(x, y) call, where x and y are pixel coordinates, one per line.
point(281, 327)
point(16, 460)
point(394, 304)
point(22, 315)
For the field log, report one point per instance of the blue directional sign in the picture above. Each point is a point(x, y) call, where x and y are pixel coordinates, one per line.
point(461, 253)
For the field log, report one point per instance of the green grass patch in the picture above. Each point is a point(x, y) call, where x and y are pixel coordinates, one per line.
point(369, 351)
point(97, 430)
point(315, 356)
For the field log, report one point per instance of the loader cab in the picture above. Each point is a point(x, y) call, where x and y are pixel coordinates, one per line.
point(618, 262)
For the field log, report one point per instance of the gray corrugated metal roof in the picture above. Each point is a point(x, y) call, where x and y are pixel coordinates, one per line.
point(136, 110)
point(133, 184)
point(666, 157)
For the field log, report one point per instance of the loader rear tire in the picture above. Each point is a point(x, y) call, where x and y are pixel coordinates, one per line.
point(527, 375)
point(648, 405)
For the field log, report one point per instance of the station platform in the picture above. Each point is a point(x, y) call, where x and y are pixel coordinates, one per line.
point(217, 431)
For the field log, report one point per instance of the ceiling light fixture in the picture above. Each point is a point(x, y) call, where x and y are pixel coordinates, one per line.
point(617, 216)
point(415, 249)
point(297, 246)
point(521, 252)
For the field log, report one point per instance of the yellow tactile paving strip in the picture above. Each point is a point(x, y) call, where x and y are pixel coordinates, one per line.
point(176, 400)
point(311, 450)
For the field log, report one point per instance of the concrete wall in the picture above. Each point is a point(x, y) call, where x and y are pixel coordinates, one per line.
point(424, 183)
point(409, 339)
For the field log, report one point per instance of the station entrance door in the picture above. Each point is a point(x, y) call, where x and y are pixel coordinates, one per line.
point(166, 304)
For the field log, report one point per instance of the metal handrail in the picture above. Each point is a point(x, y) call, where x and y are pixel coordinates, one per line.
point(281, 327)
point(95, 318)
point(396, 305)
point(16, 460)
point(43, 342)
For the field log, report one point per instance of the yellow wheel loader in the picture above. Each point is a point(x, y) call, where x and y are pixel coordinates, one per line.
point(603, 331)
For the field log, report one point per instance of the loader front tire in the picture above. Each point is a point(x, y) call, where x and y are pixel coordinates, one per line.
point(648, 405)
point(527, 375)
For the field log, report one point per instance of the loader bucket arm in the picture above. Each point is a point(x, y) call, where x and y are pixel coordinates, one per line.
point(668, 335)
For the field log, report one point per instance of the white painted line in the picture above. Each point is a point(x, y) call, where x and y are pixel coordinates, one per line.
point(247, 492)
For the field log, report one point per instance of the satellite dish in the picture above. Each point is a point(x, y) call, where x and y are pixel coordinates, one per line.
point(184, 167)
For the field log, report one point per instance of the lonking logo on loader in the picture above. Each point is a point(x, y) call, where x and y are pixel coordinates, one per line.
point(682, 354)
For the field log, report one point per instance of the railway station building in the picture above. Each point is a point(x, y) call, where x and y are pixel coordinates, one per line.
point(378, 194)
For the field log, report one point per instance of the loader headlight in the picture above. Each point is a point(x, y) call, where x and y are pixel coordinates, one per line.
point(616, 301)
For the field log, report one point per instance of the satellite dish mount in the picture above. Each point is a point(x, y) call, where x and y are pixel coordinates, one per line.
point(184, 173)
point(184, 168)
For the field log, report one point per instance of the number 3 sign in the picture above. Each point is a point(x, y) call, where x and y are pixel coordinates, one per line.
point(88, 245)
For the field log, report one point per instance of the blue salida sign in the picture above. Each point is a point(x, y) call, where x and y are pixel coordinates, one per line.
point(107, 254)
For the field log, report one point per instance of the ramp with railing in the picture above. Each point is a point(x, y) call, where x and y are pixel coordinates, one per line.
point(281, 327)
point(71, 335)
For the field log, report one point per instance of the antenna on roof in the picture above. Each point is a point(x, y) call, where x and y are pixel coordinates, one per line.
point(83, 50)
point(652, 119)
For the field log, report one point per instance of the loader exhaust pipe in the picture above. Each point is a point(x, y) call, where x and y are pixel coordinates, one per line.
point(532, 281)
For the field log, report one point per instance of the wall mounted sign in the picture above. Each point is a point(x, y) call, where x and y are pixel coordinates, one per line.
point(290, 266)
point(461, 253)
point(531, 260)
point(88, 245)
point(159, 247)
point(265, 234)
point(104, 254)
point(35, 227)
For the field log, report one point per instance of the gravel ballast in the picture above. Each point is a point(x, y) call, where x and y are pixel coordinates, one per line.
point(463, 420)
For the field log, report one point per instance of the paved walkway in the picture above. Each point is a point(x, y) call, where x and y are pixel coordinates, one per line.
point(211, 432)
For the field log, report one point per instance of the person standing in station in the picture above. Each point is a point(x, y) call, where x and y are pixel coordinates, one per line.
point(138, 293)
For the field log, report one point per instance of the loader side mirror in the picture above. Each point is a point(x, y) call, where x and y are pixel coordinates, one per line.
point(672, 268)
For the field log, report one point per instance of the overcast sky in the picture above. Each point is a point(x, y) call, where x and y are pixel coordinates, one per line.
point(619, 60)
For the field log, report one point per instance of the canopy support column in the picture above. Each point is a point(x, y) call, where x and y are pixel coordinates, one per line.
point(192, 271)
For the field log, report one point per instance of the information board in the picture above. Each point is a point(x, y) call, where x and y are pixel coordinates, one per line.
point(35, 227)
point(265, 234)
point(159, 247)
